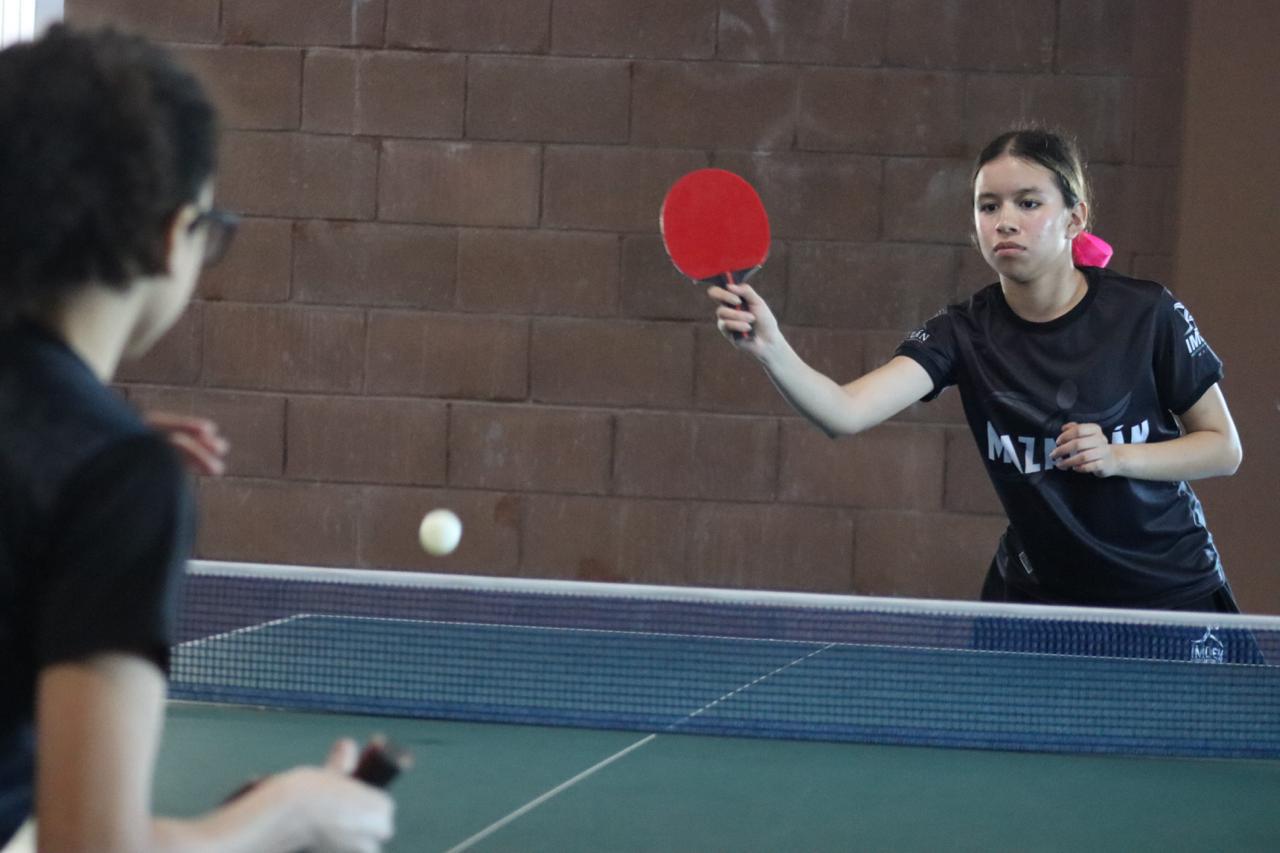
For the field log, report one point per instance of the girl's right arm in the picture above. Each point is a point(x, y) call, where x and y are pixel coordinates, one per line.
point(98, 731)
point(317, 809)
point(835, 409)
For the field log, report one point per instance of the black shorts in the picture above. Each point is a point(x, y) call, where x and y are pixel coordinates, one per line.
point(994, 588)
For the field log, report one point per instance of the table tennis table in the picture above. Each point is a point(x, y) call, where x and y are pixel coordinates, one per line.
point(553, 718)
point(496, 787)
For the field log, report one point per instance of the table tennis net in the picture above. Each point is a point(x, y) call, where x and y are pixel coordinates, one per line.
point(783, 665)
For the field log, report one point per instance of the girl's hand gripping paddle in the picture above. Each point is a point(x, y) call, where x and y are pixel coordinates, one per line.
point(380, 762)
point(714, 227)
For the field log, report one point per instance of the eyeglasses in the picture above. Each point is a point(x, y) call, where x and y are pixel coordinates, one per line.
point(220, 228)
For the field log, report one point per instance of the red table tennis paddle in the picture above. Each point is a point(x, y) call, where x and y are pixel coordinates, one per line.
point(714, 227)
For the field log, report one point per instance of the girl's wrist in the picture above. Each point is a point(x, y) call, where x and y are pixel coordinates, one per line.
point(1121, 459)
point(774, 354)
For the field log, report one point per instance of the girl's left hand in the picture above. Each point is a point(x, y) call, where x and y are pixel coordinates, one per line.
point(1084, 448)
point(197, 439)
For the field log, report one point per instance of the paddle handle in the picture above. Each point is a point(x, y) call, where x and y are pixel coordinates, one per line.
point(726, 280)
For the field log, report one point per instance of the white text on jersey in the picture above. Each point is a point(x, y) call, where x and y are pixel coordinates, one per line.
point(1030, 454)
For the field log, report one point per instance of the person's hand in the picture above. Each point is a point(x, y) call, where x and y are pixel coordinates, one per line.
point(197, 439)
point(330, 811)
point(1084, 448)
point(743, 310)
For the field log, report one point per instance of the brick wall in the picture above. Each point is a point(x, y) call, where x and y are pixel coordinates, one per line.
point(450, 290)
point(1225, 265)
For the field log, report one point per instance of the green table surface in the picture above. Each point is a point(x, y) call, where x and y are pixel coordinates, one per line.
point(684, 793)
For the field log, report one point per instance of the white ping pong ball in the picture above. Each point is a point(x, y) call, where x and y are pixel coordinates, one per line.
point(440, 532)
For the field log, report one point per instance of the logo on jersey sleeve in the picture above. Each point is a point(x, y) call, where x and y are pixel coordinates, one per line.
point(1192, 339)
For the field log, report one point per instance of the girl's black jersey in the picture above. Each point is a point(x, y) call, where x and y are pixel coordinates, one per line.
point(1129, 358)
point(96, 520)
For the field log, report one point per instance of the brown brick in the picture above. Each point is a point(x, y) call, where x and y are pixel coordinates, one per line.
point(550, 100)
point(985, 35)
point(869, 285)
point(411, 94)
point(253, 424)
point(253, 87)
point(256, 268)
point(1095, 37)
point(274, 522)
point(729, 381)
point(890, 466)
point(286, 174)
point(1106, 204)
point(612, 363)
point(895, 112)
point(373, 263)
point(287, 349)
point(654, 289)
point(843, 32)
point(604, 539)
point(304, 22)
point(364, 440)
point(538, 272)
point(330, 84)
point(584, 186)
point(838, 353)
point(389, 519)
point(523, 448)
point(968, 488)
point(1157, 132)
point(459, 183)
point(701, 105)
point(175, 359)
point(1154, 268)
point(927, 555)
point(175, 20)
point(1098, 111)
point(674, 29)
point(448, 356)
point(499, 26)
point(770, 546)
point(928, 200)
point(384, 93)
point(996, 103)
point(726, 380)
point(1150, 207)
point(666, 455)
point(1160, 41)
point(814, 196)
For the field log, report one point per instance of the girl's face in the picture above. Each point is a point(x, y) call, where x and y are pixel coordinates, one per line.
point(1023, 225)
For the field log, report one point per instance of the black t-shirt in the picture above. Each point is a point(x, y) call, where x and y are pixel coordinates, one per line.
point(1129, 357)
point(95, 526)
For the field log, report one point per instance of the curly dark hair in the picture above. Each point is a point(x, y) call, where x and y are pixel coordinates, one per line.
point(103, 138)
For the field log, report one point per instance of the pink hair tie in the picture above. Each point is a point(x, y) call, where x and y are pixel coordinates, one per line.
point(1090, 251)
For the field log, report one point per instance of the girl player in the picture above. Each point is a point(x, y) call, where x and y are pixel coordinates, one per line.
point(106, 166)
point(1092, 397)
